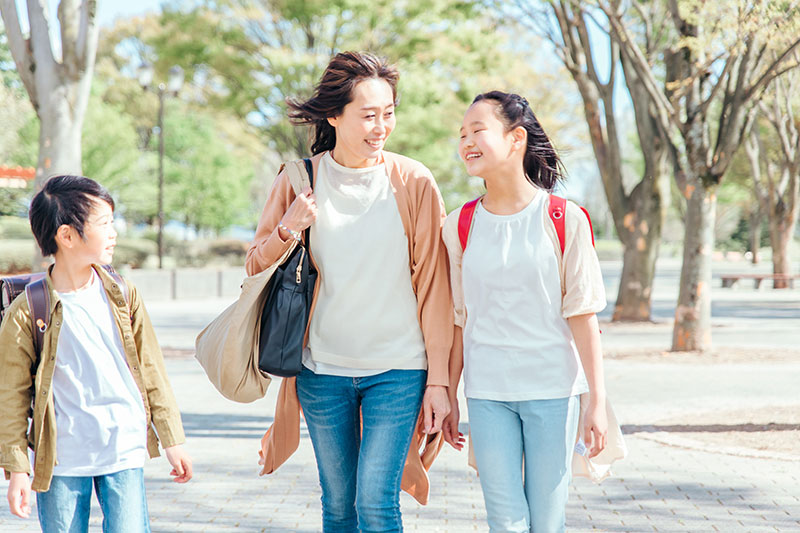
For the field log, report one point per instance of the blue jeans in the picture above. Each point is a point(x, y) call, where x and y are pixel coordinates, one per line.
point(360, 458)
point(536, 437)
point(65, 507)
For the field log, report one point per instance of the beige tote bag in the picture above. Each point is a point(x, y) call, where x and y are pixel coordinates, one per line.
point(228, 347)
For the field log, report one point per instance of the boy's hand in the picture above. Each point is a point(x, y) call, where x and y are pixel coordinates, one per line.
point(19, 494)
point(181, 463)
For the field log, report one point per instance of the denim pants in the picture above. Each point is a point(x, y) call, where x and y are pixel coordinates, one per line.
point(524, 455)
point(361, 458)
point(65, 507)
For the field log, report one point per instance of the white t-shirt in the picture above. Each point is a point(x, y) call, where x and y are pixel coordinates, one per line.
point(101, 426)
point(365, 318)
point(517, 344)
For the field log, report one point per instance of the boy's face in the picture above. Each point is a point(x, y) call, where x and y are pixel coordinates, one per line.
point(99, 237)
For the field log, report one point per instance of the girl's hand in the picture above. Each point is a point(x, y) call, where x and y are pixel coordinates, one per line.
point(450, 427)
point(595, 427)
point(181, 463)
point(435, 408)
point(301, 214)
point(19, 494)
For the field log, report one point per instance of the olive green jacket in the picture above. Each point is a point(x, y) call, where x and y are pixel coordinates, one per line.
point(19, 388)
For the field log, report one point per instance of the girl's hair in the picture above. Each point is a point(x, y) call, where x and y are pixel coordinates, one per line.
point(63, 200)
point(335, 90)
point(542, 165)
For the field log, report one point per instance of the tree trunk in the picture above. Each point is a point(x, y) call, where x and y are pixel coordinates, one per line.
point(692, 329)
point(641, 240)
point(780, 236)
point(755, 234)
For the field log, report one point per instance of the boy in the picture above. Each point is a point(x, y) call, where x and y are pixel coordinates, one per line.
point(99, 384)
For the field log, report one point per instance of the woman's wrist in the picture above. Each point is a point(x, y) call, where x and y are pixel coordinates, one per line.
point(288, 232)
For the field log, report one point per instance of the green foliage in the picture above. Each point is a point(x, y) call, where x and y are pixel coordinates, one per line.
point(245, 57)
point(12, 227)
point(133, 252)
point(17, 255)
point(206, 184)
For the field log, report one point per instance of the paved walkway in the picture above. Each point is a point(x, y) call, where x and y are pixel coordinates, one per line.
point(660, 487)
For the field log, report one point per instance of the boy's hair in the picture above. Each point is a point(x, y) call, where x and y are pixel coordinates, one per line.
point(63, 200)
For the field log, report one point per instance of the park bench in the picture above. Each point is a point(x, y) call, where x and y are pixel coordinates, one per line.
point(729, 280)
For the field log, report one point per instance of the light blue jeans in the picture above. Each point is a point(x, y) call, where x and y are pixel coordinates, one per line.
point(65, 507)
point(524, 456)
point(360, 458)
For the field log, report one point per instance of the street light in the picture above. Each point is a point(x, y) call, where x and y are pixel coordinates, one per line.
point(174, 83)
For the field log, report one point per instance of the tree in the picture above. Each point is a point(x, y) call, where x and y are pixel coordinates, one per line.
point(57, 87)
point(776, 172)
point(246, 57)
point(715, 69)
point(638, 213)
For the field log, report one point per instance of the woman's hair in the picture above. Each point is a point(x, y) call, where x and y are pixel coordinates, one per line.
point(63, 200)
point(335, 90)
point(542, 165)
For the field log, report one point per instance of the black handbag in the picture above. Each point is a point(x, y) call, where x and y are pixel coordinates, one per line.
point(287, 308)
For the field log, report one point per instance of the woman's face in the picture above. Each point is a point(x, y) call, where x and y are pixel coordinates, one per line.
point(364, 125)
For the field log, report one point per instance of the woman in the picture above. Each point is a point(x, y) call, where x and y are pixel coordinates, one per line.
point(526, 295)
point(380, 332)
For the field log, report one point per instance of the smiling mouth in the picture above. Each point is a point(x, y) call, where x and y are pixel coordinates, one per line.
point(374, 144)
point(470, 157)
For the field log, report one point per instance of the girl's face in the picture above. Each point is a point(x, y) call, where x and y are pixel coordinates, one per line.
point(486, 147)
point(99, 237)
point(365, 124)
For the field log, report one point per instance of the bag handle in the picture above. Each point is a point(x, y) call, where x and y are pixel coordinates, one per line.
point(301, 175)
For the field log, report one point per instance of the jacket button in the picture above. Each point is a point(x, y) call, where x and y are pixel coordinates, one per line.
point(52, 357)
point(44, 392)
point(136, 368)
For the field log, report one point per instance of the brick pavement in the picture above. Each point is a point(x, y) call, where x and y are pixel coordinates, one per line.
point(659, 488)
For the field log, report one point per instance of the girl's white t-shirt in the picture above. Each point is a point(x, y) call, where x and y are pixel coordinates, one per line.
point(101, 426)
point(517, 344)
point(365, 318)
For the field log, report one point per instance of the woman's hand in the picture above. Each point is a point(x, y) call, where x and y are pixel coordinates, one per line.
point(435, 407)
point(301, 214)
point(450, 427)
point(181, 463)
point(19, 494)
point(595, 427)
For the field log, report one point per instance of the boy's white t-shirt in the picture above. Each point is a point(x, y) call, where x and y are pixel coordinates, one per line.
point(101, 426)
point(365, 318)
point(517, 344)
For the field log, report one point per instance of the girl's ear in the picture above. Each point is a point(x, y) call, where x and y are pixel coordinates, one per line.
point(65, 236)
point(333, 121)
point(520, 135)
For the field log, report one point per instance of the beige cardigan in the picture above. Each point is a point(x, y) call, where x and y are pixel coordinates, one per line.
point(422, 213)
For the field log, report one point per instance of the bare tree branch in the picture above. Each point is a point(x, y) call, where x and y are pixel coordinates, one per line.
point(20, 47)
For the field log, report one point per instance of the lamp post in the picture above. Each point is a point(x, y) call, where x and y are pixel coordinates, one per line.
point(174, 83)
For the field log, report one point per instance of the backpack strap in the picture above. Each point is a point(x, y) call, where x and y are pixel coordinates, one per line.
point(121, 282)
point(557, 208)
point(465, 221)
point(39, 303)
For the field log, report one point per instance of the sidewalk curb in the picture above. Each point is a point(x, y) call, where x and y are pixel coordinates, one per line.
point(665, 438)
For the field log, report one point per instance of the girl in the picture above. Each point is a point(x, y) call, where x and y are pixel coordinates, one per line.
point(380, 332)
point(526, 331)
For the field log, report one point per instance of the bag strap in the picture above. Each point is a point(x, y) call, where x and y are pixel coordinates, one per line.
point(557, 208)
point(310, 172)
point(465, 221)
point(39, 303)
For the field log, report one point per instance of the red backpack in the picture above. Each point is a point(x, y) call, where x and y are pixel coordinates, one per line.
point(556, 209)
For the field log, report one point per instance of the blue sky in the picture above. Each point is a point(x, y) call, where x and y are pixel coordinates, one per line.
point(107, 10)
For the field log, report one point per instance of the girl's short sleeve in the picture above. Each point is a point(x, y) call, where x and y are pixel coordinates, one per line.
point(584, 292)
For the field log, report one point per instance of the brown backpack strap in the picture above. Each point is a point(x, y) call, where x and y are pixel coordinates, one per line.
point(39, 303)
point(121, 282)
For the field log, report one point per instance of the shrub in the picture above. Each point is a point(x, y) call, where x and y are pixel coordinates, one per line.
point(133, 252)
point(15, 228)
point(16, 256)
